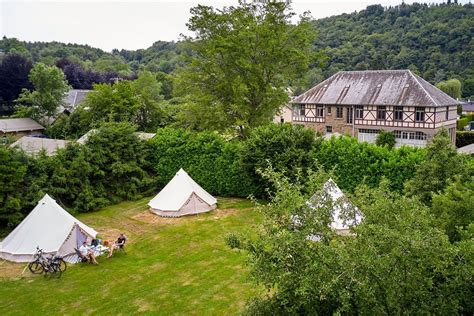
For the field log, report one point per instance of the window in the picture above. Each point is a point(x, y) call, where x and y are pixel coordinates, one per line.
point(419, 114)
point(319, 111)
point(349, 115)
point(381, 112)
point(398, 113)
point(359, 112)
point(282, 120)
point(328, 129)
point(447, 113)
point(299, 110)
point(410, 135)
point(329, 109)
point(339, 112)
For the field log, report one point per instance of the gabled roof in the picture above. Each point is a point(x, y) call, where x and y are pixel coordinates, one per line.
point(34, 145)
point(376, 87)
point(173, 196)
point(19, 125)
point(73, 99)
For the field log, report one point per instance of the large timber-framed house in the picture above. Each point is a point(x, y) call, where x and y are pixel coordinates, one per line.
point(361, 103)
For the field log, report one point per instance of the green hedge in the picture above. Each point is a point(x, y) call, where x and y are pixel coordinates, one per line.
point(207, 157)
point(464, 138)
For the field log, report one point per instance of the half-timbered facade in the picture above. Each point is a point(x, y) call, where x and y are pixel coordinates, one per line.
point(361, 103)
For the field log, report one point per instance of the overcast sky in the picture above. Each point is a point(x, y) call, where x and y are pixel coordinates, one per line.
point(109, 24)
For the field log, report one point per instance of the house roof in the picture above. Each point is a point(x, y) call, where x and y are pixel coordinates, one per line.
point(19, 125)
point(469, 149)
point(376, 87)
point(467, 106)
point(141, 135)
point(34, 145)
point(72, 99)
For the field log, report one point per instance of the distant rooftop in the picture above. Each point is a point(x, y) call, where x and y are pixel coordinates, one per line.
point(73, 99)
point(19, 125)
point(34, 145)
point(469, 149)
point(141, 135)
point(376, 87)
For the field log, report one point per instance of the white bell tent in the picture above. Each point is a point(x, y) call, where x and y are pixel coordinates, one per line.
point(49, 227)
point(182, 196)
point(344, 213)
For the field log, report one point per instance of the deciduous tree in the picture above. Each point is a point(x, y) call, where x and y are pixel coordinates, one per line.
point(241, 62)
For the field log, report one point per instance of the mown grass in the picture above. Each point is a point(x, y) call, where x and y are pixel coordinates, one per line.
point(172, 266)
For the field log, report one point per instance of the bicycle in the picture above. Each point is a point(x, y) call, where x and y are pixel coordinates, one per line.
point(41, 264)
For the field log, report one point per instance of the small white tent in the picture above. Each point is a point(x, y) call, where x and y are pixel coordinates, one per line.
point(49, 227)
point(182, 196)
point(344, 213)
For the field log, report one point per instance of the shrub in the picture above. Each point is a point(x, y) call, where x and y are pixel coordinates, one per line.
point(385, 138)
point(461, 123)
point(464, 138)
point(289, 149)
point(208, 158)
point(354, 163)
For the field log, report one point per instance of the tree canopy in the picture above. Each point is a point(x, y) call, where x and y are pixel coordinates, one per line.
point(242, 60)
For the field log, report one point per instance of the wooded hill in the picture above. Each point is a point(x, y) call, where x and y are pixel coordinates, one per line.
point(435, 41)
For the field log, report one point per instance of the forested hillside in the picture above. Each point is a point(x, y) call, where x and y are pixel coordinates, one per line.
point(435, 41)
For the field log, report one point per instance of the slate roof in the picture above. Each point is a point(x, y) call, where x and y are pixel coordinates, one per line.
point(73, 99)
point(376, 87)
point(469, 149)
point(141, 135)
point(467, 106)
point(33, 145)
point(19, 125)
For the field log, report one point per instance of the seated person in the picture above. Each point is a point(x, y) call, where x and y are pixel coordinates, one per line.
point(118, 244)
point(87, 252)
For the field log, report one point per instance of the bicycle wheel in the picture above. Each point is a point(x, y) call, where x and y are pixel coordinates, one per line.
point(36, 267)
point(62, 264)
point(56, 270)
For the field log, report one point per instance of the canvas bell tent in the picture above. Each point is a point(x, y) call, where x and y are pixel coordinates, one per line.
point(182, 196)
point(49, 227)
point(344, 213)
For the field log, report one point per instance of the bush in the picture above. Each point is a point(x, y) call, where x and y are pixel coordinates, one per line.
point(385, 138)
point(464, 138)
point(461, 123)
point(354, 163)
point(208, 158)
point(289, 149)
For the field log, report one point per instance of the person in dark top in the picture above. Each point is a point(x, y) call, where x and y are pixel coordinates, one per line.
point(118, 244)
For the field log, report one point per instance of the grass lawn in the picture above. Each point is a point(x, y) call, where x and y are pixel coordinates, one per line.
point(172, 266)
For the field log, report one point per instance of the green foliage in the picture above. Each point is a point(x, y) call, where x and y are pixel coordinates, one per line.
point(12, 173)
point(454, 208)
point(385, 138)
point(112, 64)
point(50, 87)
point(468, 88)
point(138, 102)
point(461, 123)
point(432, 40)
point(287, 148)
point(464, 138)
point(442, 163)
point(451, 87)
point(242, 59)
point(354, 163)
point(397, 261)
point(208, 158)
